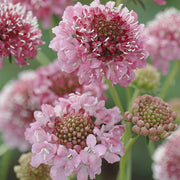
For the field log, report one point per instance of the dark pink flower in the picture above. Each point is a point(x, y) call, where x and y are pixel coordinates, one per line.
point(17, 109)
point(45, 9)
point(99, 40)
point(152, 117)
point(166, 158)
point(19, 34)
point(163, 42)
point(70, 137)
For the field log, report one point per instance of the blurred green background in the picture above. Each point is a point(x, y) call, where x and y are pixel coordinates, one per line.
point(141, 161)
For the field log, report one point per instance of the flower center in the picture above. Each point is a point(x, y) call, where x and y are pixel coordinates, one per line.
point(102, 34)
point(154, 112)
point(73, 129)
point(62, 83)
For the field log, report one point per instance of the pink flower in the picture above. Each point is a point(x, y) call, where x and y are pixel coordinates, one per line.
point(52, 83)
point(64, 163)
point(111, 141)
point(45, 9)
point(19, 33)
point(91, 158)
point(152, 117)
point(16, 110)
point(160, 2)
point(70, 143)
point(163, 44)
point(22, 97)
point(166, 158)
point(99, 40)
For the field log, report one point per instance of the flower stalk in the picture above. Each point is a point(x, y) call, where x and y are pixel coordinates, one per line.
point(170, 78)
point(5, 162)
point(115, 96)
point(125, 163)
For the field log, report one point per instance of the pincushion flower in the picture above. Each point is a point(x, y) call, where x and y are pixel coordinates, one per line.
point(24, 171)
point(166, 158)
point(45, 9)
point(19, 35)
point(163, 44)
point(74, 135)
point(152, 117)
point(52, 83)
point(16, 110)
point(99, 40)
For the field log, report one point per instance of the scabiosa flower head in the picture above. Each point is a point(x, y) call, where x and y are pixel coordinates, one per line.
point(147, 79)
point(99, 40)
point(175, 105)
point(160, 2)
point(16, 110)
point(52, 83)
point(24, 171)
point(19, 34)
point(45, 9)
point(152, 117)
point(74, 136)
point(164, 42)
point(166, 158)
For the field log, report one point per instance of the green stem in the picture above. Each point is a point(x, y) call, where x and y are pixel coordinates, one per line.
point(5, 161)
point(130, 143)
point(124, 165)
point(115, 96)
point(135, 94)
point(151, 147)
point(170, 79)
point(129, 166)
point(125, 162)
point(3, 149)
point(127, 135)
point(42, 58)
point(128, 94)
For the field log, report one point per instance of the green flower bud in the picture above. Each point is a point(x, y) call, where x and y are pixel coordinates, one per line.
point(25, 171)
point(147, 79)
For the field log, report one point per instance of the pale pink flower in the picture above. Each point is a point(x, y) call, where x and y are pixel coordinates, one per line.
point(163, 36)
point(99, 40)
point(75, 137)
point(160, 2)
point(19, 35)
point(52, 83)
point(166, 158)
point(16, 110)
point(64, 163)
point(45, 9)
point(152, 117)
